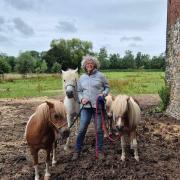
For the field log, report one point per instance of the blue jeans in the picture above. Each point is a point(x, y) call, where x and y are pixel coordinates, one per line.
point(86, 115)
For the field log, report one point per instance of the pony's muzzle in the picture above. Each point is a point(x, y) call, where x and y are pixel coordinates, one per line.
point(120, 128)
point(69, 94)
point(109, 115)
point(65, 132)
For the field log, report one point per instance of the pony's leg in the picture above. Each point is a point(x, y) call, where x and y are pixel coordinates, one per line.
point(34, 153)
point(77, 127)
point(134, 145)
point(66, 147)
point(123, 145)
point(54, 154)
point(47, 173)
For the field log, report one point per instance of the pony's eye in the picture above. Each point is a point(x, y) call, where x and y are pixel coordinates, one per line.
point(56, 116)
point(64, 80)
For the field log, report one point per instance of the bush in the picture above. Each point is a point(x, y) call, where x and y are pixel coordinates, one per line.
point(164, 94)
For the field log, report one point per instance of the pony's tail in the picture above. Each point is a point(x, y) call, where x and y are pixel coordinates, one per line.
point(134, 113)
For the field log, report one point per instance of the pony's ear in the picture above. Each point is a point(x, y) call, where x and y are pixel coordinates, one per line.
point(137, 102)
point(128, 98)
point(113, 97)
point(62, 71)
point(61, 100)
point(76, 70)
point(51, 105)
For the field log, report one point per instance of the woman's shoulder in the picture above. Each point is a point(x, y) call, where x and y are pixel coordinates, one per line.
point(83, 76)
point(100, 74)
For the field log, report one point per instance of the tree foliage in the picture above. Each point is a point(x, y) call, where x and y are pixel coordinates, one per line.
point(64, 54)
point(68, 53)
point(25, 63)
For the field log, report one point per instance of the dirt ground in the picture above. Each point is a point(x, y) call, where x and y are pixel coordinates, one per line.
point(158, 144)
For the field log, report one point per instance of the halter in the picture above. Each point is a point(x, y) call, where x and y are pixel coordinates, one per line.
point(57, 128)
point(74, 87)
point(70, 85)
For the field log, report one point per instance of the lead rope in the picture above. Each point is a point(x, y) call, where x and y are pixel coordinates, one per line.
point(96, 128)
point(99, 101)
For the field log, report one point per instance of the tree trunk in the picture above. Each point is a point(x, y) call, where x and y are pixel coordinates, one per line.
point(173, 57)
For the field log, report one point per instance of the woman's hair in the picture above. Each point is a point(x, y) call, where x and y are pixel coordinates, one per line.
point(89, 58)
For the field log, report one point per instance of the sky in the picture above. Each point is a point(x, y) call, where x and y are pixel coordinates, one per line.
point(118, 25)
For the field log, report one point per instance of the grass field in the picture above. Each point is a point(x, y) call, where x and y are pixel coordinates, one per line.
point(14, 86)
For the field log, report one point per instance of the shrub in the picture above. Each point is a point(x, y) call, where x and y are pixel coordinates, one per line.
point(164, 94)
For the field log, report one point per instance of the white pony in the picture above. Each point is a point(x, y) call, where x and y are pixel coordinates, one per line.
point(126, 116)
point(70, 78)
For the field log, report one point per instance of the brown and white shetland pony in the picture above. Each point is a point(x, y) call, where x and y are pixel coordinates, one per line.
point(44, 127)
point(126, 115)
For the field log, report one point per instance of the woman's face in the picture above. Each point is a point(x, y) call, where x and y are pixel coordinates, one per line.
point(90, 66)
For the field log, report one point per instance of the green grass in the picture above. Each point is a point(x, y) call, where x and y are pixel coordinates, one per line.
point(31, 86)
point(135, 82)
point(131, 83)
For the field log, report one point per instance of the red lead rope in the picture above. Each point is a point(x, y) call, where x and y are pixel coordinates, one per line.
point(103, 126)
point(96, 128)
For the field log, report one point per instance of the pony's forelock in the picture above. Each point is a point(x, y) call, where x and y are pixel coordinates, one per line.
point(119, 105)
point(70, 74)
point(43, 111)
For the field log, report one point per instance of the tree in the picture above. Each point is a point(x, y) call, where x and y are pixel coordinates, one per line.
point(146, 61)
point(25, 63)
point(158, 62)
point(103, 58)
point(139, 60)
point(114, 61)
point(4, 66)
point(68, 53)
point(12, 62)
point(128, 60)
point(41, 66)
point(56, 68)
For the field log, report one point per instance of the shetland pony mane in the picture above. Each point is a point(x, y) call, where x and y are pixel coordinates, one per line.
point(119, 105)
point(109, 100)
point(70, 74)
point(43, 112)
point(134, 113)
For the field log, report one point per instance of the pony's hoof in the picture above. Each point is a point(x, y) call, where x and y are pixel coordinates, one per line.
point(36, 178)
point(137, 158)
point(54, 163)
point(123, 158)
point(66, 148)
point(47, 176)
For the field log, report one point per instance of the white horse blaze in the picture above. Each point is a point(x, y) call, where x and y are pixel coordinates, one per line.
point(120, 123)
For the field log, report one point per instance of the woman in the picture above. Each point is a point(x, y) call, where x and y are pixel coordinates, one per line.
point(91, 85)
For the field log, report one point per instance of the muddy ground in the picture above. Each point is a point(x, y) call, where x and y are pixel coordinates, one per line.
point(158, 138)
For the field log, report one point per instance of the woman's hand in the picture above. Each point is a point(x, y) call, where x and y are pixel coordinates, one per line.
point(84, 101)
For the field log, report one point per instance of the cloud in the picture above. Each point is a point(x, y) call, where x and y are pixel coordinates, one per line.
point(67, 27)
point(4, 40)
point(134, 45)
point(1, 20)
point(5, 25)
point(20, 4)
point(131, 38)
point(22, 27)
